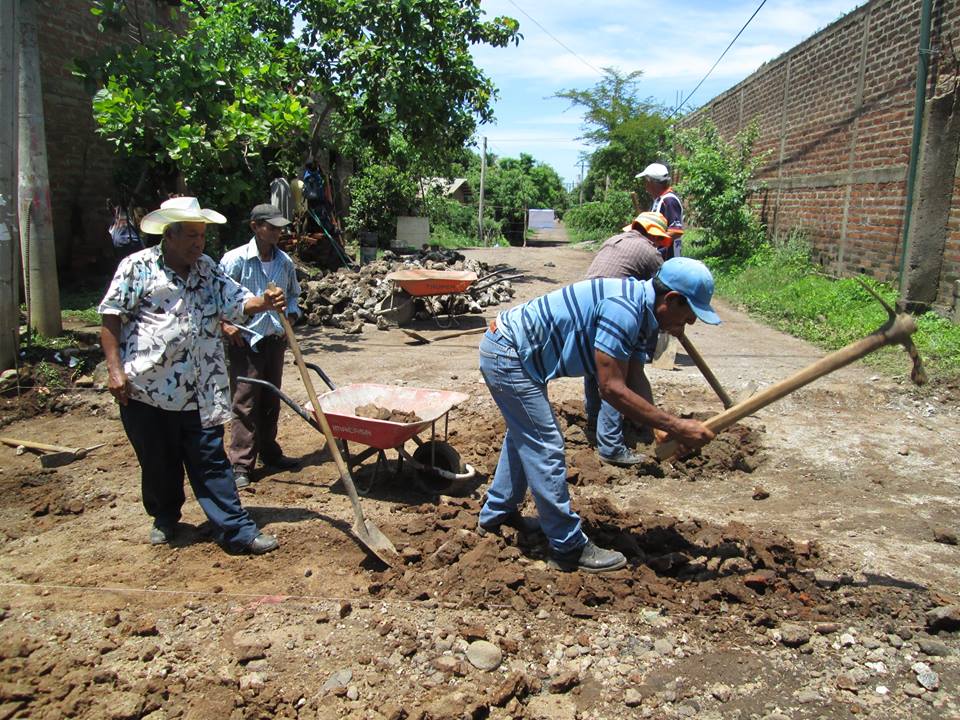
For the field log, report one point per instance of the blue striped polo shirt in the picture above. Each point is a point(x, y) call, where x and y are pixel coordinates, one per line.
point(555, 335)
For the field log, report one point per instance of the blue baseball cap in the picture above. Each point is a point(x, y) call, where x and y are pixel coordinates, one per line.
point(692, 279)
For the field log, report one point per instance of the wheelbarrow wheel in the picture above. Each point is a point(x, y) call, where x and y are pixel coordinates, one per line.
point(438, 454)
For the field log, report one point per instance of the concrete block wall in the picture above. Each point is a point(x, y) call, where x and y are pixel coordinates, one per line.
point(836, 122)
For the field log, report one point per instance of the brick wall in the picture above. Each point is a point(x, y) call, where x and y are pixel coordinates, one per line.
point(836, 119)
point(80, 163)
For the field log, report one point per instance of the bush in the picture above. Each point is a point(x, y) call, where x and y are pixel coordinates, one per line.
point(595, 221)
point(715, 186)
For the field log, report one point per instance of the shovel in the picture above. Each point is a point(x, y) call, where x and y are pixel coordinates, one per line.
point(53, 455)
point(363, 530)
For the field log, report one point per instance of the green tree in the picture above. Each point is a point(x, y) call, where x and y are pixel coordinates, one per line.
point(628, 132)
point(715, 185)
point(244, 88)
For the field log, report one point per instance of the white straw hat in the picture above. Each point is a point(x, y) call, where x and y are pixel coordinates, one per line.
point(178, 209)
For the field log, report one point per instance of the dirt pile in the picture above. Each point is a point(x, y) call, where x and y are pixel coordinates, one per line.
point(346, 299)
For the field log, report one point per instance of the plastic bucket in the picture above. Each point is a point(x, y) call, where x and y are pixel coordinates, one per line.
point(368, 247)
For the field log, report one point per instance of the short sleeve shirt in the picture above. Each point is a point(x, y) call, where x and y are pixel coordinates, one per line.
point(243, 264)
point(629, 254)
point(556, 335)
point(170, 341)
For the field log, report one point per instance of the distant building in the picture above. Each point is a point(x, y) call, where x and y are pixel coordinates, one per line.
point(457, 189)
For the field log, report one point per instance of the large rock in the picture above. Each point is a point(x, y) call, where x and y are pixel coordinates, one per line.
point(484, 655)
point(551, 707)
point(944, 618)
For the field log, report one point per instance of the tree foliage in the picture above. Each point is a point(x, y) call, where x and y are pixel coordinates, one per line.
point(237, 90)
point(628, 132)
point(715, 184)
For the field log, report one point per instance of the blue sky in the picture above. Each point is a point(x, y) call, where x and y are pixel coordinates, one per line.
point(673, 43)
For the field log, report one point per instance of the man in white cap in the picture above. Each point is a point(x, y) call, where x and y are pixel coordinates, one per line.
point(256, 349)
point(164, 352)
point(656, 179)
point(602, 327)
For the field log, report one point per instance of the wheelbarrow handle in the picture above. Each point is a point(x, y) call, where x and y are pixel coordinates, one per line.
point(322, 374)
point(310, 420)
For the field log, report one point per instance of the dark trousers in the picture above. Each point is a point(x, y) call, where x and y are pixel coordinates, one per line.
point(256, 410)
point(166, 443)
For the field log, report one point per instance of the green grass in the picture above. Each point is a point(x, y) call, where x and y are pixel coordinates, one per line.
point(80, 305)
point(780, 286)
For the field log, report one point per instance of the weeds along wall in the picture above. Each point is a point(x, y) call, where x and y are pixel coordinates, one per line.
point(836, 124)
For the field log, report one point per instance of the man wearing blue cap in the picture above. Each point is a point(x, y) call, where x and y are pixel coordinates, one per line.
point(602, 327)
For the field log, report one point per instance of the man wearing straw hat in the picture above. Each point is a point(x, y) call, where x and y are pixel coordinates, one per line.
point(162, 342)
point(632, 253)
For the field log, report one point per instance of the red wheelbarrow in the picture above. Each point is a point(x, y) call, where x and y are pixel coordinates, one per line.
point(399, 306)
point(436, 462)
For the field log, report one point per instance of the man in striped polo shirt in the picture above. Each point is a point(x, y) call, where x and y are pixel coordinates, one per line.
point(606, 328)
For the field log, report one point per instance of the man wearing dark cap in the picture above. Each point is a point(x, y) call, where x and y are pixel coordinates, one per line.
point(256, 349)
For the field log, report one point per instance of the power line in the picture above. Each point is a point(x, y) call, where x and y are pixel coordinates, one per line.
point(677, 109)
point(557, 40)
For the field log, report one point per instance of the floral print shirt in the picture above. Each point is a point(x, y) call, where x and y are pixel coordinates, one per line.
point(170, 341)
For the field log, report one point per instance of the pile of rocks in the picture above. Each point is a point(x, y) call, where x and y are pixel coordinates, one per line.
point(347, 299)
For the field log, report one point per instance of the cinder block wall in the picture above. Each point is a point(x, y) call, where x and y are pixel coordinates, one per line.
point(836, 121)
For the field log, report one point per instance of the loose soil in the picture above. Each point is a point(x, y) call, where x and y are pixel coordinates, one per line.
point(785, 570)
point(374, 411)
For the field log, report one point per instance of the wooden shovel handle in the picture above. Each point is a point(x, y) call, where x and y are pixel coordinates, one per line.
point(898, 331)
point(13, 442)
point(324, 425)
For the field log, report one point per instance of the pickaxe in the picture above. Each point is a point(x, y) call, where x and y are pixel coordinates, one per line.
point(896, 331)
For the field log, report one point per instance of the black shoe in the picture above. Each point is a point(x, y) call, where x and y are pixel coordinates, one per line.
point(241, 478)
point(162, 534)
point(589, 558)
point(261, 544)
point(627, 458)
point(515, 520)
point(281, 462)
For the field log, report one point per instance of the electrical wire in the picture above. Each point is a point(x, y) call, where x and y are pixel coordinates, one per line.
point(555, 39)
point(713, 67)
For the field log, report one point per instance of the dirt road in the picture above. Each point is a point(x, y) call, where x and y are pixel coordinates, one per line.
point(809, 602)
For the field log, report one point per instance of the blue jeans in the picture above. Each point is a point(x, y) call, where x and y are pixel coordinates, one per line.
point(607, 419)
point(166, 442)
point(532, 454)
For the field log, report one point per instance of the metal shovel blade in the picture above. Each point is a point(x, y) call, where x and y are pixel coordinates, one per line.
point(377, 543)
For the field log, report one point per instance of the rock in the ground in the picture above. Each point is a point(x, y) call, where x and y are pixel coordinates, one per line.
point(551, 707)
point(934, 648)
point(663, 647)
point(632, 697)
point(339, 679)
point(808, 697)
point(564, 681)
point(926, 678)
point(484, 655)
point(944, 618)
point(945, 536)
point(794, 635)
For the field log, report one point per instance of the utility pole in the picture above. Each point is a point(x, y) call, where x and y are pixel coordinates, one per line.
point(581, 181)
point(9, 232)
point(483, 175)
point(36, 218)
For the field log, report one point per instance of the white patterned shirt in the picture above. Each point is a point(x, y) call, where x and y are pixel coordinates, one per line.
point(170, 341)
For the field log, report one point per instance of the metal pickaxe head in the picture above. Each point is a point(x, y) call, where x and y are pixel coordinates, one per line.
point(917, 374)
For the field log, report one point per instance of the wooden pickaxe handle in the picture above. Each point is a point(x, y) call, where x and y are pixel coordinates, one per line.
point(896, 332)
point(42, 446)
point(636, 202)
point(705, 370)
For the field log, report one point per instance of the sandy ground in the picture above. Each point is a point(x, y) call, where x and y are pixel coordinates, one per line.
point(809, 602)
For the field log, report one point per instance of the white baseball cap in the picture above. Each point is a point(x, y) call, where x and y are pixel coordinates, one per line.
point(655, 172)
